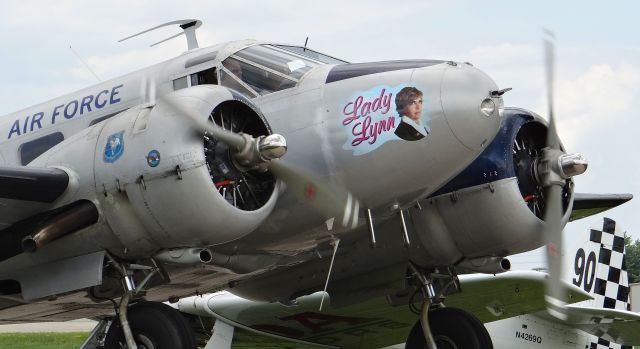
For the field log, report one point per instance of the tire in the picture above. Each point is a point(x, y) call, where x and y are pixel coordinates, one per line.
point(154, 326)
point(452, 329)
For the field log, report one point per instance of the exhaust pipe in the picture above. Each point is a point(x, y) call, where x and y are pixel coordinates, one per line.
point(76, 216)
point(188, 255)
point(486, 265)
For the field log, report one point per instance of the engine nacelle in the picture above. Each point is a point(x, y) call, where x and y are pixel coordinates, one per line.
point(495, 206)
point(161, 183)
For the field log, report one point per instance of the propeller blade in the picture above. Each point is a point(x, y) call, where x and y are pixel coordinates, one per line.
point(553, 141)
point(555, 297)
point(331, 200)
point(232, 139)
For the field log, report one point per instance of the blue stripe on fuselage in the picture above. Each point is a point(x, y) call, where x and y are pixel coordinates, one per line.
point(496, 161)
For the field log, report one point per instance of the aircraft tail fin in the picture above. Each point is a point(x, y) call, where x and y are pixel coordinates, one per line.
point(611, 286)
point(600, 269)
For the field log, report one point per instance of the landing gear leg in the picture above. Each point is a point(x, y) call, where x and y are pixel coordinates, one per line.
point(130, 290)
point(429, 298)
point(426, 329)
point(145, 325)
point(440, 327)
point(124, 321)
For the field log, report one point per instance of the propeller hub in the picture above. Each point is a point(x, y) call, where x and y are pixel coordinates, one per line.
point(572, 165)
point(273, 146)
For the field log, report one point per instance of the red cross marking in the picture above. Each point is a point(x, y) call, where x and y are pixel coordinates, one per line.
point(310, 191)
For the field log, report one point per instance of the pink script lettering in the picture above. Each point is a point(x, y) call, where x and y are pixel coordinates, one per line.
point(367, 131)
point(361, 108)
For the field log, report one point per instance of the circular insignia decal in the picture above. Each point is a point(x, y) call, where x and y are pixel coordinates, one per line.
point(153, 158)
point(114, 147)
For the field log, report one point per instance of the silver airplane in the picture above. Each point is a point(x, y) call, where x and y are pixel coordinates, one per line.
point(509, 304)
point(274, 171)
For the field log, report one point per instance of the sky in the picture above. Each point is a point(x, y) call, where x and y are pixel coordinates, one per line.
point(598, 58)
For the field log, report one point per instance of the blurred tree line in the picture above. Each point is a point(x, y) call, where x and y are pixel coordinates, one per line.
point(632, 258)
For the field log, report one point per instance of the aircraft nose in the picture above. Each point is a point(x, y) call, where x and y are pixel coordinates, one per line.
point(472, 112)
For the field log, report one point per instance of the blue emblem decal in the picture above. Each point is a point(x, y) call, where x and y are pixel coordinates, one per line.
point(114, 147)
point(153, 158)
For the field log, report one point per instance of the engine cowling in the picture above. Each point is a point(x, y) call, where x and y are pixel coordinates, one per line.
point(160, 183)
point(495, 206)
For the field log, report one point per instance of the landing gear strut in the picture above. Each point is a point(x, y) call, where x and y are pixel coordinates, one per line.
point(440, 327)
point(143, 325)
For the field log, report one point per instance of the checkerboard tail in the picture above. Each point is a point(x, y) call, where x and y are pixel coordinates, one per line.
point(611, 287)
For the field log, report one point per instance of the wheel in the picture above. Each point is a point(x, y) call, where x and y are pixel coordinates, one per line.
point(154, 326)
point(452, 329)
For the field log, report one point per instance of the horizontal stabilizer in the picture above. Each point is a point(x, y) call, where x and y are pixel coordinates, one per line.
point(585, 205)
point(501, 296)
point(618, 326)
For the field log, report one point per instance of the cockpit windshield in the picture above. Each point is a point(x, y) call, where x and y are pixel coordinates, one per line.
point(307, 52)
point(263, 69)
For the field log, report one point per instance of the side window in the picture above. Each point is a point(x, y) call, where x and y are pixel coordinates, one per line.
point(32, 149)
point(205, 77)
point(180, 83)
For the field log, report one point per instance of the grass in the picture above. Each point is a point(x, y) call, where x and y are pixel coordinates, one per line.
point(46, 340)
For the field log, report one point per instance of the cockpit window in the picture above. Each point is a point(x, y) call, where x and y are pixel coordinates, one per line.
point(258, 79)
point(307, 52)
point(281, 61)
point(265, 69)
point(235, 83)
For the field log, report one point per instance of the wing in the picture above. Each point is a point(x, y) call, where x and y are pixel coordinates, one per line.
point(26, 191)
point(370, 324)
point(585, 205)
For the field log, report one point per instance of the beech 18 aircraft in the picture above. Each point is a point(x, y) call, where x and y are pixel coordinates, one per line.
point(275, 171)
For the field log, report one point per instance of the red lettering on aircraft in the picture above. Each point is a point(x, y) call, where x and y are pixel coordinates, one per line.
point(281, 330)
point(319, 322)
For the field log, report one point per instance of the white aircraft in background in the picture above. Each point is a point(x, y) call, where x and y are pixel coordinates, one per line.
point(598, 318)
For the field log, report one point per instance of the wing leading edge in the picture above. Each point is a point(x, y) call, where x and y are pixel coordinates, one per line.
point(585, 205)
point(26, 191)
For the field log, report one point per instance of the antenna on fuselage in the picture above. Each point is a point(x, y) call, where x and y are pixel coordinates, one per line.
point(85, 63)
point(188, 26)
